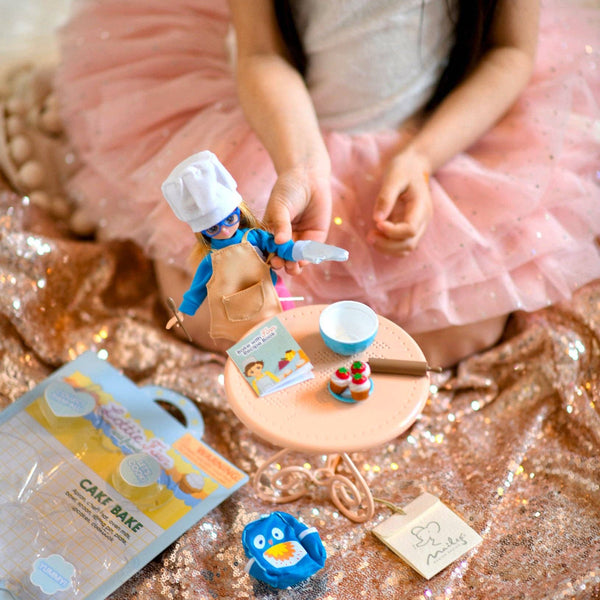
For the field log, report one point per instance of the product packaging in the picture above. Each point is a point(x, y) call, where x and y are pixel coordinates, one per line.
point(97, 478)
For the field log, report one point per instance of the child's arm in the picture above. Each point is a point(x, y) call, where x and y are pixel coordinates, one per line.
point(279, 109)
point(403, 208)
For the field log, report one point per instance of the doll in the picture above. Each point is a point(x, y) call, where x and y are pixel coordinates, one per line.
point(233, 249)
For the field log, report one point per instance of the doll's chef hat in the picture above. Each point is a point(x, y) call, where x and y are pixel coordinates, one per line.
point(201, 191)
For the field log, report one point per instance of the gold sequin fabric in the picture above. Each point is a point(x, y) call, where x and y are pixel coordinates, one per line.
point(509, 439)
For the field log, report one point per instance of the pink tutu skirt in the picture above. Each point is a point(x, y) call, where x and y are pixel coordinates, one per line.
point(146, 83)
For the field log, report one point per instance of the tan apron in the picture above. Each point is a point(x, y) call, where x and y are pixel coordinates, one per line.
point(240, 292)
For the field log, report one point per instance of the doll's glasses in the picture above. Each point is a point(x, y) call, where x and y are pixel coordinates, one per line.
point(228, 221)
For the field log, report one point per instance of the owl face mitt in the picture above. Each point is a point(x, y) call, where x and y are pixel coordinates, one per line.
point(282, 551)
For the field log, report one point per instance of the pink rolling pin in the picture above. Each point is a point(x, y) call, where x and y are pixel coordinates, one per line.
point(393, 366)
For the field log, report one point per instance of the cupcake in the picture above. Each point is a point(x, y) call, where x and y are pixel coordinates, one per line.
point(362, 368)
point(360, 386)
point(191, 483)
point(340, 380)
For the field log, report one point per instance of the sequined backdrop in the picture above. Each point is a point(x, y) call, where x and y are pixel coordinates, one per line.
point(509, 440)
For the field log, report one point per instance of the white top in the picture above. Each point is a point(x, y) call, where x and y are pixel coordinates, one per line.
point(372, 63)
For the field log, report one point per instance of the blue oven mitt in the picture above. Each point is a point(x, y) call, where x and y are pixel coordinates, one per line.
point(281, 550)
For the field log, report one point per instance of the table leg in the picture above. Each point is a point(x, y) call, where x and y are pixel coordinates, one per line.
point(350, 492)
point(284, 484)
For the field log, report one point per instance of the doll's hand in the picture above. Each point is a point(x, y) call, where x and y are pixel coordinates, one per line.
point(404, 208)
point(174, 320)
point(300, 201)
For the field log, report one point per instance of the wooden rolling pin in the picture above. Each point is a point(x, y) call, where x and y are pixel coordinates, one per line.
point(393, 366)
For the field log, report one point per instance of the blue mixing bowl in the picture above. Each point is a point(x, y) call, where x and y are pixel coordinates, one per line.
point(348, 327)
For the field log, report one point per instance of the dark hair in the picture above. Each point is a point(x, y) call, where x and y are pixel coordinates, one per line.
point(289, 32)
point(252, 364)
point(471, 40)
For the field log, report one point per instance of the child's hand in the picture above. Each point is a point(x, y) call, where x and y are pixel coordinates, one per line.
point(404, 208)
point(300, 200)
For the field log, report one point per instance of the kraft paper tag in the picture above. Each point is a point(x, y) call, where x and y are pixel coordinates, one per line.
point(428, 536)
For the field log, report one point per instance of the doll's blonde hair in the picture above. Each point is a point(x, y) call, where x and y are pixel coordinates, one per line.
point(202, 246)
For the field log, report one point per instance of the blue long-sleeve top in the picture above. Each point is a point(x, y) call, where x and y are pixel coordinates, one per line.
point(261, 239)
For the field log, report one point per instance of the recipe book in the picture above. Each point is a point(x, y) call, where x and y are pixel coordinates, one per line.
point(270, 359)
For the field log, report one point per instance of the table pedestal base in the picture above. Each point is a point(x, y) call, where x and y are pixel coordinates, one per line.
point(348, 491)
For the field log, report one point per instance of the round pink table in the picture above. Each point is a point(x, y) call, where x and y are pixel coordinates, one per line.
point(307, 418)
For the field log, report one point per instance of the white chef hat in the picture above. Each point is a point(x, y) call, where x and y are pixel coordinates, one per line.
point(201, 191)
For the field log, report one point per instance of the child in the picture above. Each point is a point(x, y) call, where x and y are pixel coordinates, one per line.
point(449, 228)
